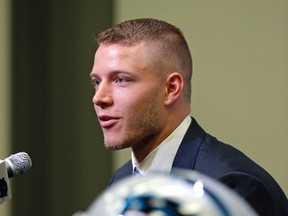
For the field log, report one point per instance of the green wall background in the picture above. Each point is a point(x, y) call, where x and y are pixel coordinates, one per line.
point(240, 80)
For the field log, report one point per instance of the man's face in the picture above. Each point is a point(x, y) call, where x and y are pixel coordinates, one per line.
point(129, 95)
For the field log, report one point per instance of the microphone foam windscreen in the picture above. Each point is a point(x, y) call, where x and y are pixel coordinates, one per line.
point(21, 163)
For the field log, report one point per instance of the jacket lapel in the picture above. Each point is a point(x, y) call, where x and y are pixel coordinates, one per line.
point(189, 147)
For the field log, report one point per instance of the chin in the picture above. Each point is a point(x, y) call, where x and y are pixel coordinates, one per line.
point(116, 145)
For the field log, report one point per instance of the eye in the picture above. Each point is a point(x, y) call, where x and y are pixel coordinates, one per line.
point(122, 81)
point(95, 83)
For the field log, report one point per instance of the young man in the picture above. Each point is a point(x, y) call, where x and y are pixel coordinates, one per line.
point(142, 76)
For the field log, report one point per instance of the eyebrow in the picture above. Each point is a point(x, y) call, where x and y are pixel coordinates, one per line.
point(93, 75)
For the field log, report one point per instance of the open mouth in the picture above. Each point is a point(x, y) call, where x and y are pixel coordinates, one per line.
point(105, 118)
point(108, 121)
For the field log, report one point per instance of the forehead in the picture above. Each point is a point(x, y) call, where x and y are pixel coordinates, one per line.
point(112, 51)
point(121, 57)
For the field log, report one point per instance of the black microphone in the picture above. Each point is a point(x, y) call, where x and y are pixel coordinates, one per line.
point(18, 164)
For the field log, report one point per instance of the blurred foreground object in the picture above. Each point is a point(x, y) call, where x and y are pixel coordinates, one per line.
point(181, 193)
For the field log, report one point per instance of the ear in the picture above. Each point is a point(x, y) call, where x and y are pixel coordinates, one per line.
point(174, 87)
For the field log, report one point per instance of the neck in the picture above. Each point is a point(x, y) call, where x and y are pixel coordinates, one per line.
point(142, 149)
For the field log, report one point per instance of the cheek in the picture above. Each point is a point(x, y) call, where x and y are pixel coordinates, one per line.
point(138, 101)
point(96, 108)
point(144, 104)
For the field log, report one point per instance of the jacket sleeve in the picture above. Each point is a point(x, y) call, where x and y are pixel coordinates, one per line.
point(253, 191)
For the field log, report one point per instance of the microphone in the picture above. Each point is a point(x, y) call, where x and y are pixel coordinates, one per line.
point(18, 164)
point(15, 165)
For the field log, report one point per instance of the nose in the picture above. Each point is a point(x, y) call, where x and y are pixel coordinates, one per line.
point(103, 96)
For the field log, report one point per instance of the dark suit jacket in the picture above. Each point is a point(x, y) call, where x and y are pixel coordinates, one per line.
point(204, 153)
